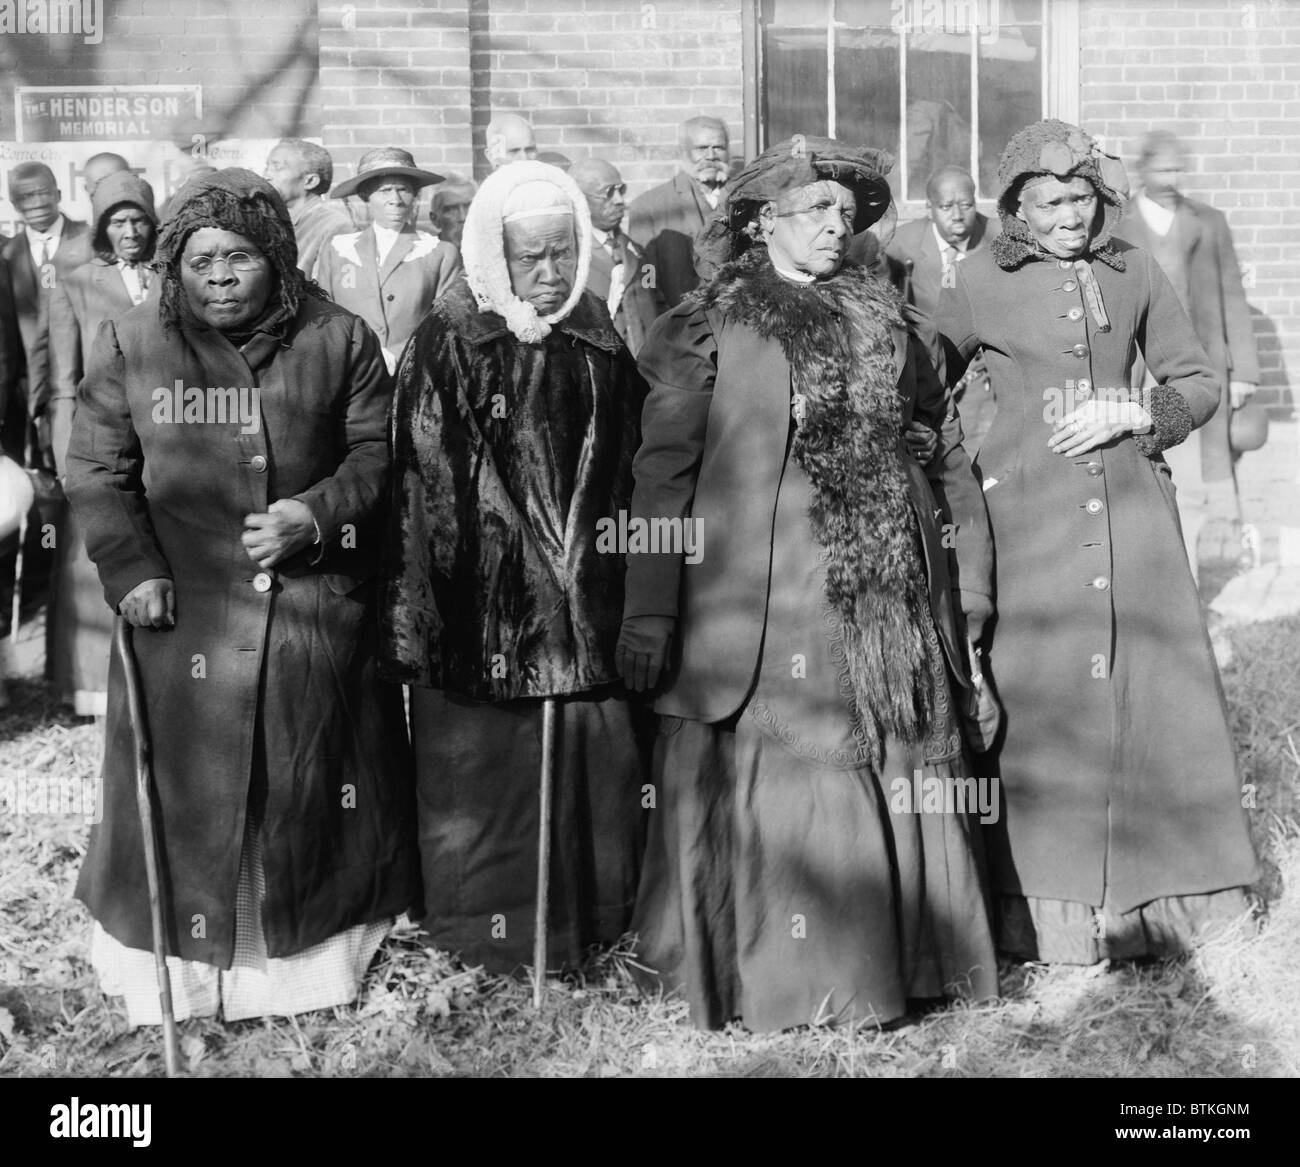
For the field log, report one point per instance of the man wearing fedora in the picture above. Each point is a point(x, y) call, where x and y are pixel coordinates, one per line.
point(1193, 245)
point(390, 273)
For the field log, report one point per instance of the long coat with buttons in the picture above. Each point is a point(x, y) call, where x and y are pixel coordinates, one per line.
point(1118, 774)
point(265, 691)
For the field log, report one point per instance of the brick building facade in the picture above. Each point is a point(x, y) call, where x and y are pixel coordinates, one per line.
point(616, 77)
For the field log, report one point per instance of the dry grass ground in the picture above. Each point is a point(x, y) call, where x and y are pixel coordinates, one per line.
point(1232, 1009)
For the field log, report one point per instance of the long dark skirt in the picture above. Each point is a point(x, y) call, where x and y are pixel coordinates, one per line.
point(781, 890)
point(477, 767)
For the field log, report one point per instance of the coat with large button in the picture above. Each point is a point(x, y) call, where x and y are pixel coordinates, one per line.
point(1118, 773)
point(265, 689)
point(393, 296)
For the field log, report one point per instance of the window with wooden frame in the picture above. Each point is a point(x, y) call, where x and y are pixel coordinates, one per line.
point(934, 82)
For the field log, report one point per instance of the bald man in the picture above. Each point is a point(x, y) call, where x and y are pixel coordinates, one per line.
point(616, 273)
point(925, 254)
point(509, 139)
point(99, 167)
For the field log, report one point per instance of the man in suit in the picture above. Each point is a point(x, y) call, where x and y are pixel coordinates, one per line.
point(924, 254)
point(616, 273)
point(390, 273)
point(50, 246)
point(1191, 242)
point(665, 220)
point(301, 173)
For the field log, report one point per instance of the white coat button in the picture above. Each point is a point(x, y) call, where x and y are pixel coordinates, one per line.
point(1096, 469)
point(1083, 385)
point(259, 464)
point(1101, 583)
point(262, 582)
point(1075, 313)
point(1065, 264)
point(1069, 286)
point(1094, 506)
point(1080, 351)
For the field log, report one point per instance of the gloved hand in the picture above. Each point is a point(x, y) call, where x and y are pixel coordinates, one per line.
point(641, 654)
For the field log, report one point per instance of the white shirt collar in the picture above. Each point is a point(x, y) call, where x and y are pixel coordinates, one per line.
point(599, 235)
point(35, 239)
point(384, 240)
point(796, 277)
point(945, 246)
point(1159, 219)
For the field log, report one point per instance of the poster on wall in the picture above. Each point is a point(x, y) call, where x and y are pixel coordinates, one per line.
point(64, 126)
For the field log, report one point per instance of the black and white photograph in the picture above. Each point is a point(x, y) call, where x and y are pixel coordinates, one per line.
point(651, 539)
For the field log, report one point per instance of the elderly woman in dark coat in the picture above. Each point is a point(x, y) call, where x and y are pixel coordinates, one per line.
point(514, 426)
point(228, 464)
point(123, 232)
point(789, 877)
point(1122, 832)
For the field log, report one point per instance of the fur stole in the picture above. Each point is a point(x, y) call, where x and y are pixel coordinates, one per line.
point(836, 335)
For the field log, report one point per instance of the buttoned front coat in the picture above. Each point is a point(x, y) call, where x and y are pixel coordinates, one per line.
point(1117, 768)
point(266, 686)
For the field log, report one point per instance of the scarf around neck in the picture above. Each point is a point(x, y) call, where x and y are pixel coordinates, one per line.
point(837, 335)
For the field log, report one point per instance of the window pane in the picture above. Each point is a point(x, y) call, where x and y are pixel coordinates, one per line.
point(938, 106)
point(794, 63)
point(1011, 84)
point(794, 68)
point(866, 79)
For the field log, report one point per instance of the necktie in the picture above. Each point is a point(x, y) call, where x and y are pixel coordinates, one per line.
point(614, 245)
point(45, 250)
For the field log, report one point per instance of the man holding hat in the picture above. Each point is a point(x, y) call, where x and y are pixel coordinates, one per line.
point(390, 273)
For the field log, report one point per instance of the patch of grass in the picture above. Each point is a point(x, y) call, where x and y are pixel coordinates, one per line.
point(1231, 1009)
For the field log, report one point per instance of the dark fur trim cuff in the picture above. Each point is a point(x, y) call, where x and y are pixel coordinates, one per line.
point(1171, 420)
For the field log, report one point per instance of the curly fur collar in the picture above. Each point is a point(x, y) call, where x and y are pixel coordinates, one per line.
point(837, 335)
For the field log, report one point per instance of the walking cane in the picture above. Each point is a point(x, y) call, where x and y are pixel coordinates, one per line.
point(543, 849)
point(144, 800)
point(15, 617)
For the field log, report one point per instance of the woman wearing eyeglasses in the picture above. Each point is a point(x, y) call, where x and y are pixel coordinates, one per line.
point(808, 659)
point(228, 463)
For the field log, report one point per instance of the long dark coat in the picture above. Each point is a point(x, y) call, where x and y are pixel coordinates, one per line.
point(1117, 768)
point(256, 685)
point(496, 589)
point(713, 450)
point(1218, 310)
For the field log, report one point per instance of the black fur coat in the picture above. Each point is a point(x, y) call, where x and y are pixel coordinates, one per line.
point(505, 457)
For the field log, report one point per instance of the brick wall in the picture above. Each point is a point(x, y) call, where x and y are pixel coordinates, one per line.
point(1225, 77)
point(396, 73)
point(257, 62)
point(612, 78)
